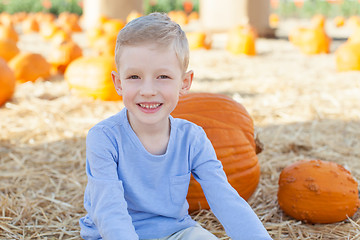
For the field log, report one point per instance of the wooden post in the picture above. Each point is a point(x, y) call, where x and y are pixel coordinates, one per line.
point(220, 16)
point(120, 9)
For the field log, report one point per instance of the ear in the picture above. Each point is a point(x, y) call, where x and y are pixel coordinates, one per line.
point(117, 83)
point(186, 82)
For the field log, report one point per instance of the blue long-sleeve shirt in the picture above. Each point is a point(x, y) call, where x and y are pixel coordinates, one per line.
point(132, 194)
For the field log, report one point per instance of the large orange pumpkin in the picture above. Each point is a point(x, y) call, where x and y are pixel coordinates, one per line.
point(317, 191)
point(231, 131)
point(29, 66)
point(91, 77)
point(7, 82)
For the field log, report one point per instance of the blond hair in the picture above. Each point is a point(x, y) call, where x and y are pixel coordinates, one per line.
point(154, 28)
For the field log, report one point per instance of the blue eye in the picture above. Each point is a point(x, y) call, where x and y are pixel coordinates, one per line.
point(164, 76)
point(133, 77)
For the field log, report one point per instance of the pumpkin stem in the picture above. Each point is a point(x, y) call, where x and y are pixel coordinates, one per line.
point(259, 145)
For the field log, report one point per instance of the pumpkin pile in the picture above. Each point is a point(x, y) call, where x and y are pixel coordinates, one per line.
point(231, 131)
point(317, 191)
point(311, 40)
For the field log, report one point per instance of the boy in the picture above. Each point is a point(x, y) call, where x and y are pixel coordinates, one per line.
point(139, 161)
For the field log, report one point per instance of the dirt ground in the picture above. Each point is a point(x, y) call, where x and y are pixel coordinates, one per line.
point(301, 106)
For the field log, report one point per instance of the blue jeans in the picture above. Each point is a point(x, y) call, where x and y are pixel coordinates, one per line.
point(192, 233)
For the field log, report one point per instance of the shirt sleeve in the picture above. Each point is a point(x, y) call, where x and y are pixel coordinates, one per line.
point(108, 207)
point(234, 213)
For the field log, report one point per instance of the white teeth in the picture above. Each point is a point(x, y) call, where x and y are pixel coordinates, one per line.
point(149, 106)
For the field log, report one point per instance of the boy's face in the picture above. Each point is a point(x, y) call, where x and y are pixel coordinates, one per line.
point(150, 80)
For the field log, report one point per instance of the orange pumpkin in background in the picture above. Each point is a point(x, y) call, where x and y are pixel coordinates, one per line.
point(347, 57)
point(241, 40)
point(48, 29)
point(274, 20)
point(105, 45)
point(180, 17)
point(7, 82)
point(8, 49)
point(8, 32)
point(317, 191)
point(355, 35)
point(198, 40)
point(60, 36)
point(69, 22)
point(318, 21)
point(113, 26)
point(312, 39)
point(353, 22)
point(231, 131)
point(339, 21)
point(63, 54)
point(30, 25)
point(91, 77)
point(28, 67)
point(132, 15)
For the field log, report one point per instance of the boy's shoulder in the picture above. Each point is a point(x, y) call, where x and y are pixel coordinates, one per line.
point(109, 123)
point(187, 126)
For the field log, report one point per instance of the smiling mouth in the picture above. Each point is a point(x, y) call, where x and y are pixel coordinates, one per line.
point(150, 106)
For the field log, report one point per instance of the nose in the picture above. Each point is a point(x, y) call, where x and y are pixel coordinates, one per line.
point(148, 88)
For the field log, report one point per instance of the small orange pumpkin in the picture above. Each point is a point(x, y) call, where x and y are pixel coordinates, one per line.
point(318, 21)
point(132, 15)
point(105, 45)
point(193, 16)
point(353, 22)
point(180, 17)
point(113, 26)
point(29, 67)
point(355, 35)
point(69, 22)
point(339, 21)
point(231, 131)
point(198, 40)
point(241, 40)
point(63, 54)
point(317, 191)
point(8, 49)
point(60, 36)
point(312, 40)
point(8, 32)
point(7, 82)
point(30, 25)
point(91, 77)
point(347, 57)
point(48, 29)
point(274, 20)
point(315, 41)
